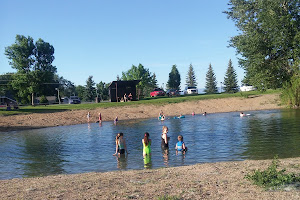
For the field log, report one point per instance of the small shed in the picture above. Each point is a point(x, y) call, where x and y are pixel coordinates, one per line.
point(118, 89)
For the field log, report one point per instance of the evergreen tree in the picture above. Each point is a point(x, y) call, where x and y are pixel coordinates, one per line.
point(230, 80)
point(174, 79)
point(154, 81)
point(211, 83)
point(191, 77)
point(90, 90)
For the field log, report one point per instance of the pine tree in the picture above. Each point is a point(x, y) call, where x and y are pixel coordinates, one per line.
point(230, 80)
point(174, 79)
point(211, 83)
point(191, 77)
point(90, 90)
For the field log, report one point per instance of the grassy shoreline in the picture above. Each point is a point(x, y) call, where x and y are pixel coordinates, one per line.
point(157, 101)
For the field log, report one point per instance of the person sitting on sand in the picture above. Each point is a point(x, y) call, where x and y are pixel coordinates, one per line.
point(180, 146)
point(146, 145)
point(130, 97)
point(120, 145)
point(164, 137)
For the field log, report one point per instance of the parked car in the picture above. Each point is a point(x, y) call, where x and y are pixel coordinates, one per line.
point(191, 90)
point(74, 100)
point(246, 88)
point(157, 92)
point(172, 92)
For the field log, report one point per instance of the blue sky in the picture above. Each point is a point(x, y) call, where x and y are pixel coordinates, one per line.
point(105, 38)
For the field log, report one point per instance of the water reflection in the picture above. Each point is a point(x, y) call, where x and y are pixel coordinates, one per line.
point(165, 153)
point(42, 155)
point(147, 162)
point(122, 161)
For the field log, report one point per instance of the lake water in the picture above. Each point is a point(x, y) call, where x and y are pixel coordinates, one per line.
point(90, 147)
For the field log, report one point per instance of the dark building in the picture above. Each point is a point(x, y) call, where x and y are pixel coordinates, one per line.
point(117, 90)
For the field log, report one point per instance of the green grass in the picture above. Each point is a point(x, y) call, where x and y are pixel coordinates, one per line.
point(272, 177)
point(146, 101)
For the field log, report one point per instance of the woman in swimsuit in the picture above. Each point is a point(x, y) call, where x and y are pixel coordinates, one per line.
point(164, 137)
point(146, 145)
point(120, 145)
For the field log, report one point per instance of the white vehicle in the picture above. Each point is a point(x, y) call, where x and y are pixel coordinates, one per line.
point(246, 88)
point(191, 90)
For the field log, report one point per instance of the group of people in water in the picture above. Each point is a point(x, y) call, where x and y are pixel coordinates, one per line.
point(121, 147)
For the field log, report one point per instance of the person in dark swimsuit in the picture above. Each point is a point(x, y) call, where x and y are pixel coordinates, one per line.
point(164, 137)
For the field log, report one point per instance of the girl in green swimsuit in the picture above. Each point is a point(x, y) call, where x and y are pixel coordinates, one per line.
point(146, 144)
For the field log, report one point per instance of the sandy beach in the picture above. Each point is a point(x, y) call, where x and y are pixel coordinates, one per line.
point(223, 180)
point(41, 120)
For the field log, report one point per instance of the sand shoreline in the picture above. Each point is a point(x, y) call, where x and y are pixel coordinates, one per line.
point(42, 120)
point(222, 180)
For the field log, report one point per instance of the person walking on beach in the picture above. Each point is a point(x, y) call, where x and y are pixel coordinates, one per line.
point(100, 118)
point(164, 137)
point(180, 146)
point(120, 145)
point(146, 145)
point(88, 116)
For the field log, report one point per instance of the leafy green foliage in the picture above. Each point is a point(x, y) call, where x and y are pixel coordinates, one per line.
point(268, 41)
point(174, 79)
point(230, 80)
point(272, 177)
point(191, 77)
point(211, 82)
point(102, 90)
point(291, 90)
point(147, 80)
point(43, 99)
point(33, 62)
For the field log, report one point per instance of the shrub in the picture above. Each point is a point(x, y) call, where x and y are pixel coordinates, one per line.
point(271, 177)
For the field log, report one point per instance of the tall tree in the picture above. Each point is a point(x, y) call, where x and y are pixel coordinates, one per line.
point(80, 91)
point(268, 41)
point(33, 62)
point(90, 90)
point(191, 77)
point(102, 89)
point(211, 82)
point(230, 79)
point(144, 75)
point(174, 79)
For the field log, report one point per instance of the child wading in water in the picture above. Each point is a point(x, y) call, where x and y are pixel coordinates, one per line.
point(164, 137)
point(180, 146)
point(146, 145)
point(120, 145)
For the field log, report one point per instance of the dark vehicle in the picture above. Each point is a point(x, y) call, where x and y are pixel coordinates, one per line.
point(74, 100)
point(172, 92)
point(157, 92)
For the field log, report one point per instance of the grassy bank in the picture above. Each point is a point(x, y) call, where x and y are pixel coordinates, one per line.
point(146, 101)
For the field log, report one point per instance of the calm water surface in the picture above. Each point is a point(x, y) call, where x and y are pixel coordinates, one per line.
point(89, 147)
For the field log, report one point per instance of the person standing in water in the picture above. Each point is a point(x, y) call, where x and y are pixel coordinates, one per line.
point(120, 145)
point(146, 145)
point(100, 118)
point(180, 146)
point(164, 137)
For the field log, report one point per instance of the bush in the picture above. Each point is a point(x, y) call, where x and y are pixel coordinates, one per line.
point(271, 177)
point(43, 99)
